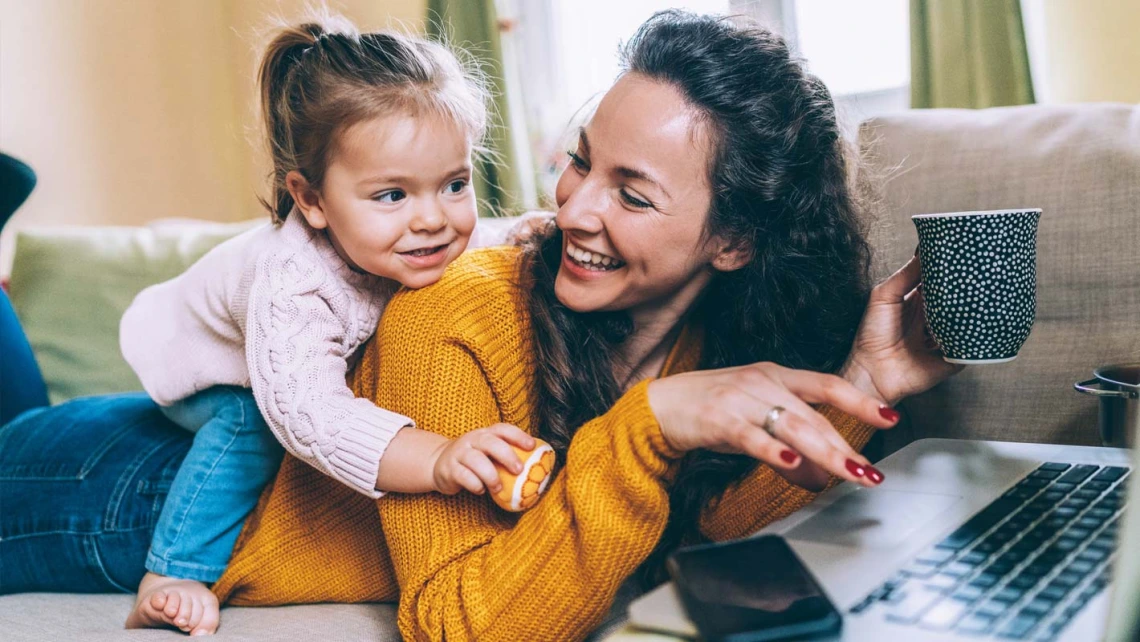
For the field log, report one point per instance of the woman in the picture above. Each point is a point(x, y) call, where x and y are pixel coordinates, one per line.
point(706, 236)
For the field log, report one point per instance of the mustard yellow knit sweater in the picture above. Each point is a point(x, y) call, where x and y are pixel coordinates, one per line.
point(455, 356)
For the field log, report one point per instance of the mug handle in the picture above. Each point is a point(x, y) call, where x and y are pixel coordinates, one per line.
point(1083, 388)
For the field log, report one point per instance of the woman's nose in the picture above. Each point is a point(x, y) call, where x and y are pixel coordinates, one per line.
point(581, 212)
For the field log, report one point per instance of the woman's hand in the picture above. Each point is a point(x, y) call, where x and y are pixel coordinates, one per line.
point(466, 462)
point(894, 356)
point(725, 410)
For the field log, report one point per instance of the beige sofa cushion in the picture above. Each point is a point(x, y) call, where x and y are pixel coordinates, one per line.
point(33, 617)
point(1081, 165)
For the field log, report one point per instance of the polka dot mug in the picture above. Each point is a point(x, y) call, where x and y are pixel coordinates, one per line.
point(979, 281)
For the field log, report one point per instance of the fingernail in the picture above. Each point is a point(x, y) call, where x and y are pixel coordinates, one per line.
point(855, 468)
point(916, 250)
point(874, 475)
point(888, 413)
point(788, 456)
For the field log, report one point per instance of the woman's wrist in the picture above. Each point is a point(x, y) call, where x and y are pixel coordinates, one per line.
point(859, 376)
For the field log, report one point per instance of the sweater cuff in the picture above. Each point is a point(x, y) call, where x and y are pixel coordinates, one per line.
point(644, 431)
point(365, 434)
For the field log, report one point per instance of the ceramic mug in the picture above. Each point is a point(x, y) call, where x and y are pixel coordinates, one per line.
point(979, 281)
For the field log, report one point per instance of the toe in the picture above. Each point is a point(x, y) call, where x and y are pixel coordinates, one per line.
point(185, 610)
point(173, 601)
point(208, 625)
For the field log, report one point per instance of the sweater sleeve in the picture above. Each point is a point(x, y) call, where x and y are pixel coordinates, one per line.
point(470, 571)
point(297, 352)
point(765, 497)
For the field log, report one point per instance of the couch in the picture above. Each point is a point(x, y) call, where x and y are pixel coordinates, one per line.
point(1079, 163)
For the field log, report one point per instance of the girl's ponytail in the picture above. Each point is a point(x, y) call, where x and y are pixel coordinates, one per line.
point(278, 64)
point(319, 78)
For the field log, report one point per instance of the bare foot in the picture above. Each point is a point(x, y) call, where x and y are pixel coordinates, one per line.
point(183, 604)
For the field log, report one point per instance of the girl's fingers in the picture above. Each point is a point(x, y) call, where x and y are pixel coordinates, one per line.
point(498, 449)
point(514, 435)
point(468, 480)
point(814, 387)
point(477, 462)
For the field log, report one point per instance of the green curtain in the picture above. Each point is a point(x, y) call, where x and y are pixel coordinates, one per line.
point(968, 53)
point(473, 25)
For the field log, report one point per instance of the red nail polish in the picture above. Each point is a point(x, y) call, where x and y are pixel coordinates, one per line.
point(855, 468)
point(890, 414)
point(788, 456)
point(874, 475)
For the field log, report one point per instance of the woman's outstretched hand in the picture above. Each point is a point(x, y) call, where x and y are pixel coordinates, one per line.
point(894, 356)
point(725, 410)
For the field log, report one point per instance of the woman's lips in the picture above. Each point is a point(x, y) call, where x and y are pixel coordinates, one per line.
point(579, 271)
point(426, 257)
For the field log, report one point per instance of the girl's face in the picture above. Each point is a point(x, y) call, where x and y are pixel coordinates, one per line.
point(633, 205)
point(397, 199)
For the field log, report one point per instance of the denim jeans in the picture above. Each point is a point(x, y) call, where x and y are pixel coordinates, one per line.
point(233, 458)
point(81, 488)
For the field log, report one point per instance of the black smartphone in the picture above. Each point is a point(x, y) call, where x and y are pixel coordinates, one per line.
point(752, 590)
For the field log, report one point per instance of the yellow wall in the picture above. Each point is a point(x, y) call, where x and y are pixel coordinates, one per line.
point(1093, 53)
point(132, 110)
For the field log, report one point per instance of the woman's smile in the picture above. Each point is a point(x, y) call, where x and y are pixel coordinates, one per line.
point(589, 264)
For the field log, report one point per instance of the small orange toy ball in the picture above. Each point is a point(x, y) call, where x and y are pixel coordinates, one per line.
point(522, 491)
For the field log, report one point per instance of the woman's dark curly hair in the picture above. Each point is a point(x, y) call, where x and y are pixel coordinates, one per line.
point(779, 188)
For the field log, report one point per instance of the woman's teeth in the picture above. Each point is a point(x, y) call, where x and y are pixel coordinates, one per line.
point(591, 260)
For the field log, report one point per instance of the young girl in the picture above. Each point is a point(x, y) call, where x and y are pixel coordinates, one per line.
point(371, 137)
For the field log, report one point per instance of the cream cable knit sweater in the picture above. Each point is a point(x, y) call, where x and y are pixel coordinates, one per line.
point(278, 311)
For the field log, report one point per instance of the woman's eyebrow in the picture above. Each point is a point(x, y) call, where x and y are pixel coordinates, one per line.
point(628, 172)
point(625, 172)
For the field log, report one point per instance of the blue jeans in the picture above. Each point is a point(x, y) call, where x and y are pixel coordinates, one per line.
point(21, 385)
point(81, 488)
point(233, 458)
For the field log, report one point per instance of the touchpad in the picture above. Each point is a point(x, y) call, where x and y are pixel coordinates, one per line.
point(876, 518)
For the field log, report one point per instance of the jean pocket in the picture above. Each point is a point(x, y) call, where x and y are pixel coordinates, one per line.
point(66, 442)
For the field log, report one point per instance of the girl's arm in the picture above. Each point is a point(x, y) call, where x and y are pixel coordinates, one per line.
point(296, 354)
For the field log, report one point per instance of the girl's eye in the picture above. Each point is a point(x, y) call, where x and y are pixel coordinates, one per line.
point(634, 201)
point(456, 187)
point(578, 162)
point(391, 196)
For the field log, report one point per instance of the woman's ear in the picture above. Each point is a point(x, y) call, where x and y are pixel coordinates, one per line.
point(307, 199)
point(732, 256)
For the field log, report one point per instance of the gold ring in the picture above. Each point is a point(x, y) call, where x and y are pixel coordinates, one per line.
point(771, 418)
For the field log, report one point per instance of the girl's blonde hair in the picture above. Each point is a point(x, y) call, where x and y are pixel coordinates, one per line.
point(320, 78)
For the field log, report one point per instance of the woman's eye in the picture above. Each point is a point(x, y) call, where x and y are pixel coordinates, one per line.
point(456, 187)
point(578, 162)
point(391, 196)
point(634, 201)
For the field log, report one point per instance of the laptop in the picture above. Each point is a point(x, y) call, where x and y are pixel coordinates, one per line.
point(969, 540)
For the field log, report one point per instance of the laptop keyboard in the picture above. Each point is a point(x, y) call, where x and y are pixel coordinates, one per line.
point(1020, 569)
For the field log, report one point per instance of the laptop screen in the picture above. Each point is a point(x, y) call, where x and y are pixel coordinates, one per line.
point(1124, 617)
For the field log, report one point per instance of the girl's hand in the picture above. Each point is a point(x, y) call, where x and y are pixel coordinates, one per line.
point(894, 356)
point(725, 410)
point(466, 462)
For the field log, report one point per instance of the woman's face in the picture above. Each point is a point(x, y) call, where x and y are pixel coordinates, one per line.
point(633, 205)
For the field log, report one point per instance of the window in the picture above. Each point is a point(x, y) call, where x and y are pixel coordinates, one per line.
point(565, 55)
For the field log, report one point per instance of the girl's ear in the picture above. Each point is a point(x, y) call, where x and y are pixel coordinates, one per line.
point(307, 199)
point(731, 256)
